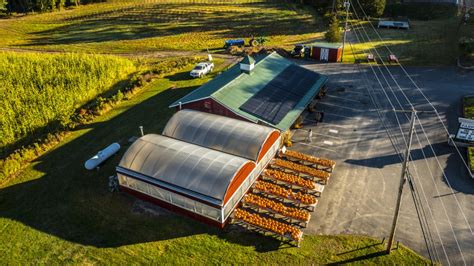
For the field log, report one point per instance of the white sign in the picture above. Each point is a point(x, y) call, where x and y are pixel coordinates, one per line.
point(463, 120)
point(465, 134)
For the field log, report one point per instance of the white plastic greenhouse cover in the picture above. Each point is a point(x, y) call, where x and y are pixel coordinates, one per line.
point(240, 138)
point(199, 169)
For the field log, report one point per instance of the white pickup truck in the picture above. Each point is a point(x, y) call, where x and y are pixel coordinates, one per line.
point(201, 69)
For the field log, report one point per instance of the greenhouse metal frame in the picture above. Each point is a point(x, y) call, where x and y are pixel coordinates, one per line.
point(205, 183)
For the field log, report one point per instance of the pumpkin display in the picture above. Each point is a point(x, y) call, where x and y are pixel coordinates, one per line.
point(268, 224)
point(302, 169)
point(289, 178)
point(277, 207)
point(285, 193)
point(311, 159)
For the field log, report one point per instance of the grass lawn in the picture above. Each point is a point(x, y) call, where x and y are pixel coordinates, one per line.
point(431, 42)
point(131, 26)
point(57, 212)
point(124, 27)
point(468, 112)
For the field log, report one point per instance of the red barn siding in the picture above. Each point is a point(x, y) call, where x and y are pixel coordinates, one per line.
point(316, 52)
point(209, 105)
point(334, 54)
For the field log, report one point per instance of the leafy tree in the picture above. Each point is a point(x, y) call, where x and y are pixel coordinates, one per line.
point(334, 33)
point(373, 8)
point(3, 6)
point(466, 45)
point(45, 5)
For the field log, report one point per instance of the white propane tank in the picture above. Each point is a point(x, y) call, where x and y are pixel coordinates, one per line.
point(101, 156)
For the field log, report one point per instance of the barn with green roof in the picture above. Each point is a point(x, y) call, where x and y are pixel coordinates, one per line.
point(268, 89)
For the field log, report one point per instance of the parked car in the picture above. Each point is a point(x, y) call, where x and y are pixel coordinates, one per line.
point(201, 69)
point(298, 51)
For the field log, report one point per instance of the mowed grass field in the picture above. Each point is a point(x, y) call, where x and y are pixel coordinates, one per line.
point(430, 43)
point(136, 27)
point(57, 212)
point(155, 25)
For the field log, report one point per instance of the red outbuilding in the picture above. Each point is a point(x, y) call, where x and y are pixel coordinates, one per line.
point(329, 52)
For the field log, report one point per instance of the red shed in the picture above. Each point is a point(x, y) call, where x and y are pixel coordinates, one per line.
point(330, 52)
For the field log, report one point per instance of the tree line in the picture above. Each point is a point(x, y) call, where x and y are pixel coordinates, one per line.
point(373, 7)
point(25, 6)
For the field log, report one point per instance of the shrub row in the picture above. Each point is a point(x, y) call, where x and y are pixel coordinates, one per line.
point(421, 11)
point(24, 6)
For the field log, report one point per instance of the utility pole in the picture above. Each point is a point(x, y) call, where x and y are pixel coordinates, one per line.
point(402, 181)
point(347, 5)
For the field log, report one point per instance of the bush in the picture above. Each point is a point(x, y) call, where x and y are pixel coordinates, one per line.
point(3, 6)
point(466, 45)
point(24, 6)
point(372, 8)
point(39, 93)
point(334, 33)
point(421, 11)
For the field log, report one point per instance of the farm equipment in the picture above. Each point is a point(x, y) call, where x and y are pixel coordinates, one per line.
point(236, 42)
point(257, 41)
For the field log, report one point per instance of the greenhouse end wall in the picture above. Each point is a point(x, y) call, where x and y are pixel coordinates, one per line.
point(244, 187)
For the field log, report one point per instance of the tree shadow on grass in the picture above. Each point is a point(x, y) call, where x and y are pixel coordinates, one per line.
point(361, 258)
point(65, 200)
point(72, 203)
point(161, 20)
point(180, 76)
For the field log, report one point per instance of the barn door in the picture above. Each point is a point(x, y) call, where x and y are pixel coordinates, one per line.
point(324, 54)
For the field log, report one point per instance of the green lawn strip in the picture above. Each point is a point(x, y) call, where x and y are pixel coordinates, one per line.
point(425, 43)
point(468, 112)
point(57, 212)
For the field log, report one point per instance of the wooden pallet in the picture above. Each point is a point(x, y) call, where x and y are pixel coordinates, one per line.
point(297, 203)
point(299, 173)
point(317, 191)
point(328, 169)
point(283, 238)
point(277, 215)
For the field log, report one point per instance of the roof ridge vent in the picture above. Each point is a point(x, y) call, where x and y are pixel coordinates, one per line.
point(247, 64)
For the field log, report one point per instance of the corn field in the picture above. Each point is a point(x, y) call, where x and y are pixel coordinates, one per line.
point(40, 92)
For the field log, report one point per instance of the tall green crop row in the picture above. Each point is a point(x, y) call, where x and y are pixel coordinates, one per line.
point(39, 92)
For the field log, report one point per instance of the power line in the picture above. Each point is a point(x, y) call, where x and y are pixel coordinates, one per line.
point(420, 211)
point(421, 219)
point(420, 125)
point(397, 149)
point(436, 112)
